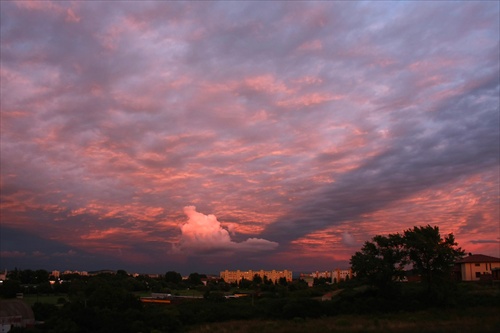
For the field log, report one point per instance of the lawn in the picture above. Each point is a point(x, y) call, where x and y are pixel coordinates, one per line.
point(176, 292)
point(471, 320)
point(49, 299)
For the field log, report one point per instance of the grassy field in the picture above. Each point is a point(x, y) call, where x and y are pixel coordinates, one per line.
point(484, 320)
point(187, 292)
point(180, 292)
point(31, 299)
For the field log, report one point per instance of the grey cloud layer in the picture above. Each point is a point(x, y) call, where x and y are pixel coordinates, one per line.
point(411, 163)
point(284, 117)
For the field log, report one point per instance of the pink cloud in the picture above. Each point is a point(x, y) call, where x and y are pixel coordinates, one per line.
point(112, 233)
point(71, 16)
point(39, 5)
point(204, 233)
point(314, 45)
point(268, 84)
point(314, 125)
point(309, 100)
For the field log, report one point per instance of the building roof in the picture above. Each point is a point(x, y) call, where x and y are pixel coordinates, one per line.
point(477, 258)
point(14, 308)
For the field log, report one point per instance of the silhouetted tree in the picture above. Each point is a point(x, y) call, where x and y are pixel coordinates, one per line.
point(9, 288)
point(173, 277)
point(194, 279)
point(320, 281)
point(27, 276)
point(381, 261)
point(121, 273)
point(299, 284)
point(257, 280)
point(41, 276)
point(282, 281)
point(245, 284)
point(431, 255)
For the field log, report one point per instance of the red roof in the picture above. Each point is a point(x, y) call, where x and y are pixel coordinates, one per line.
point(476, 258)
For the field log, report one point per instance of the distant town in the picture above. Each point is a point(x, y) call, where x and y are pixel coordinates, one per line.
point(39, 300)
point(229, 276)
point(470, 268)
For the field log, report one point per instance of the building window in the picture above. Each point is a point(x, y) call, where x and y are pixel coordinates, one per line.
point(478, 274)
point(477, 265)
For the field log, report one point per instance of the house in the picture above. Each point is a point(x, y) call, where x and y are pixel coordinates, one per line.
point(475, 267)
point(15, 313)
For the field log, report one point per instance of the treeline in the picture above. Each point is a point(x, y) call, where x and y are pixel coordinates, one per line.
point(383, 261)
point(41, 282)
point(111, 302)
point(108, 303)
point(104, 303)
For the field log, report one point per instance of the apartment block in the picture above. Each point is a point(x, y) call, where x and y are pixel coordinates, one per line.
point(342, 274)
point(237, 276)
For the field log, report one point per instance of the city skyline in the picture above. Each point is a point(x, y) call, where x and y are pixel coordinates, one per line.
point(203, 136)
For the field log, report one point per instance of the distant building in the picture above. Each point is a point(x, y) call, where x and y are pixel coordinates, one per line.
point(475, 267)
point(325, 275)
point(15, 313)
point(237, 276)
point(335, 276)
point(308, 278)
point(342, 275)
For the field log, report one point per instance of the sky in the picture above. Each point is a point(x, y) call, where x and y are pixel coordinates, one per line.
point(203, 136)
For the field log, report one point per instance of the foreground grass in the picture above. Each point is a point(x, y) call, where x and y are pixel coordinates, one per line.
point(31, 299)
point(478, 319)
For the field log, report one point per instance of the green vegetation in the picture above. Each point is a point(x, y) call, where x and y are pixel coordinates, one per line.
point(374, 301)
point(110, 303)
point(483, 320)
point(45, 299)
point(382, 261)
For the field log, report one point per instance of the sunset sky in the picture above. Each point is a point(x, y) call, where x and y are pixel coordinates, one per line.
point(203, 136)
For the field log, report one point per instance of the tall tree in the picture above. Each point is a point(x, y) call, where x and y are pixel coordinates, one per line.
point(257, 280)
point(432, 256)
point(194, 279)
point(173, 277)
point(381, 260)
point(41, 276)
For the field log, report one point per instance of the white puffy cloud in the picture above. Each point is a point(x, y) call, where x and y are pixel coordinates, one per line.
point(204, 234)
